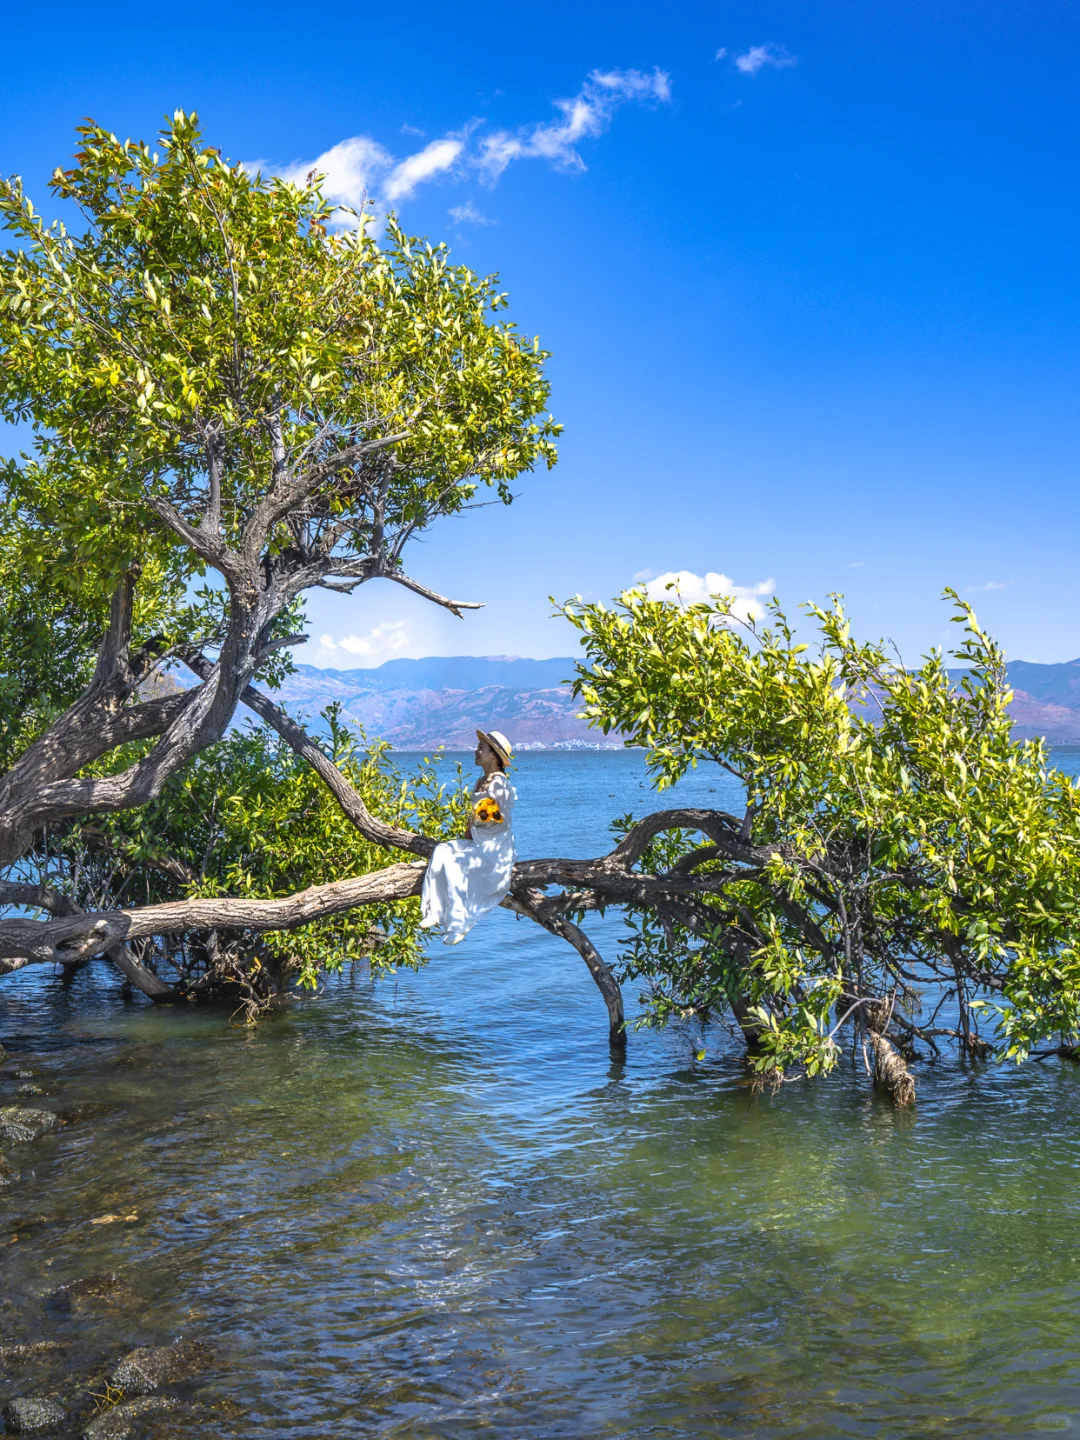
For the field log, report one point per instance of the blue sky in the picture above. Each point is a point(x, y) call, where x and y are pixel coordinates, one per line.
point(812, 301)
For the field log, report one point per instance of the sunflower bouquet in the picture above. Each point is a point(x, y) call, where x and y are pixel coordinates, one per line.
point(486, 811)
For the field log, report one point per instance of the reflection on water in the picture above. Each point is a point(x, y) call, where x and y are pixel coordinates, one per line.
point(435, 1207)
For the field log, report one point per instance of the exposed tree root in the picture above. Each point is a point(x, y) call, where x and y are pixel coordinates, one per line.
point(891, 1073)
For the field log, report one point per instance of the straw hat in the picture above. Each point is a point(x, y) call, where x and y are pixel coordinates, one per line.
point(498, 742)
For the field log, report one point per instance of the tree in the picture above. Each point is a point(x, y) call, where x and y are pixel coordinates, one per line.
point(230, 404)
point(897, 844)
point(248, 818)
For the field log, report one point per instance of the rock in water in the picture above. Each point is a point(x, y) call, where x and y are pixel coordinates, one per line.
point(80, 1295)
point(26, 1417)
point(14, 1350)
point(8, 1173)
point(148, 1368)
point(119, 1421)
point(85, 1110)
point(19, 1125)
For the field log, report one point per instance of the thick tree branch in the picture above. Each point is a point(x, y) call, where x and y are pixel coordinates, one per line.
point(112, 661)
point(390, 837)
point(80, 936)
point(536, 906)
point(36, 897)
point(288, 490)
point(202, 539)
point(44, 897)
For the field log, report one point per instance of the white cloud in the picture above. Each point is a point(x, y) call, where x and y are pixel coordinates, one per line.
point(587, 115)
point(685, 587)
point(353, 170)
point(381, 643)
point(760, 56)
point(360, 172)
point(432, 160)
point(856, 564)
point(468, 214)
point(990, 585)
point(721, 52)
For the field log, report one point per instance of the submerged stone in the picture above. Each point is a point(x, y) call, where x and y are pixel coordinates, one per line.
point(19, 1124)
point(8, 1173)
point(105, 1288)
point(28, 1416)
point(24, 1349)
point(84, 1110)
point(145, 1370)
point(119, 1421)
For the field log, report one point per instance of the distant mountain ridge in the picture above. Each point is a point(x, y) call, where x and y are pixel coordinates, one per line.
point(445, 699)
point(1046, 701)
point(453, 672)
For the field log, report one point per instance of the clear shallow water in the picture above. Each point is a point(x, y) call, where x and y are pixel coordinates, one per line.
point(435, 1207)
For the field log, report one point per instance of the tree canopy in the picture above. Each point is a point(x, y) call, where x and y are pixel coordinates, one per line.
point(897, 844)
point(218, 385)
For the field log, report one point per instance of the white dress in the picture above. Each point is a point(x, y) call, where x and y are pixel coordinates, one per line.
point(467, 878)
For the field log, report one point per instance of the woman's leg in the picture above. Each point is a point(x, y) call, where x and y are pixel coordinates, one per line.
point(434, 898)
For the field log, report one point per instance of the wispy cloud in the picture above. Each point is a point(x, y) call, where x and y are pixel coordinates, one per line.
point(359, 172)
point(856, 564)
point(761, 57)
point(586, 115)
point(432, 160)
point(468, 214)
point(990, 585)
point(686, 588)
point(381, 643)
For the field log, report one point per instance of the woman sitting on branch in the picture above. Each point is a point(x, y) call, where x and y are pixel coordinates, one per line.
point(466, 878)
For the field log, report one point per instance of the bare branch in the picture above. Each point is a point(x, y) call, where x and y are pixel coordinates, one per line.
point(454, 606)
point(36, 897)
point(44, 897)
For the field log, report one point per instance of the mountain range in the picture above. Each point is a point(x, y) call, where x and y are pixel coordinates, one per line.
point(443, 700)
point(1046, 701)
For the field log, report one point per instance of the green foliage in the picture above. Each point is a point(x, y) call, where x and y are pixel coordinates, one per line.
point(47, 647)
point(897, 839)
point(250, 820)
point(202, 316)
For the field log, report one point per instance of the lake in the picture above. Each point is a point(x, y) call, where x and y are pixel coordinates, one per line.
point(436, 1206)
